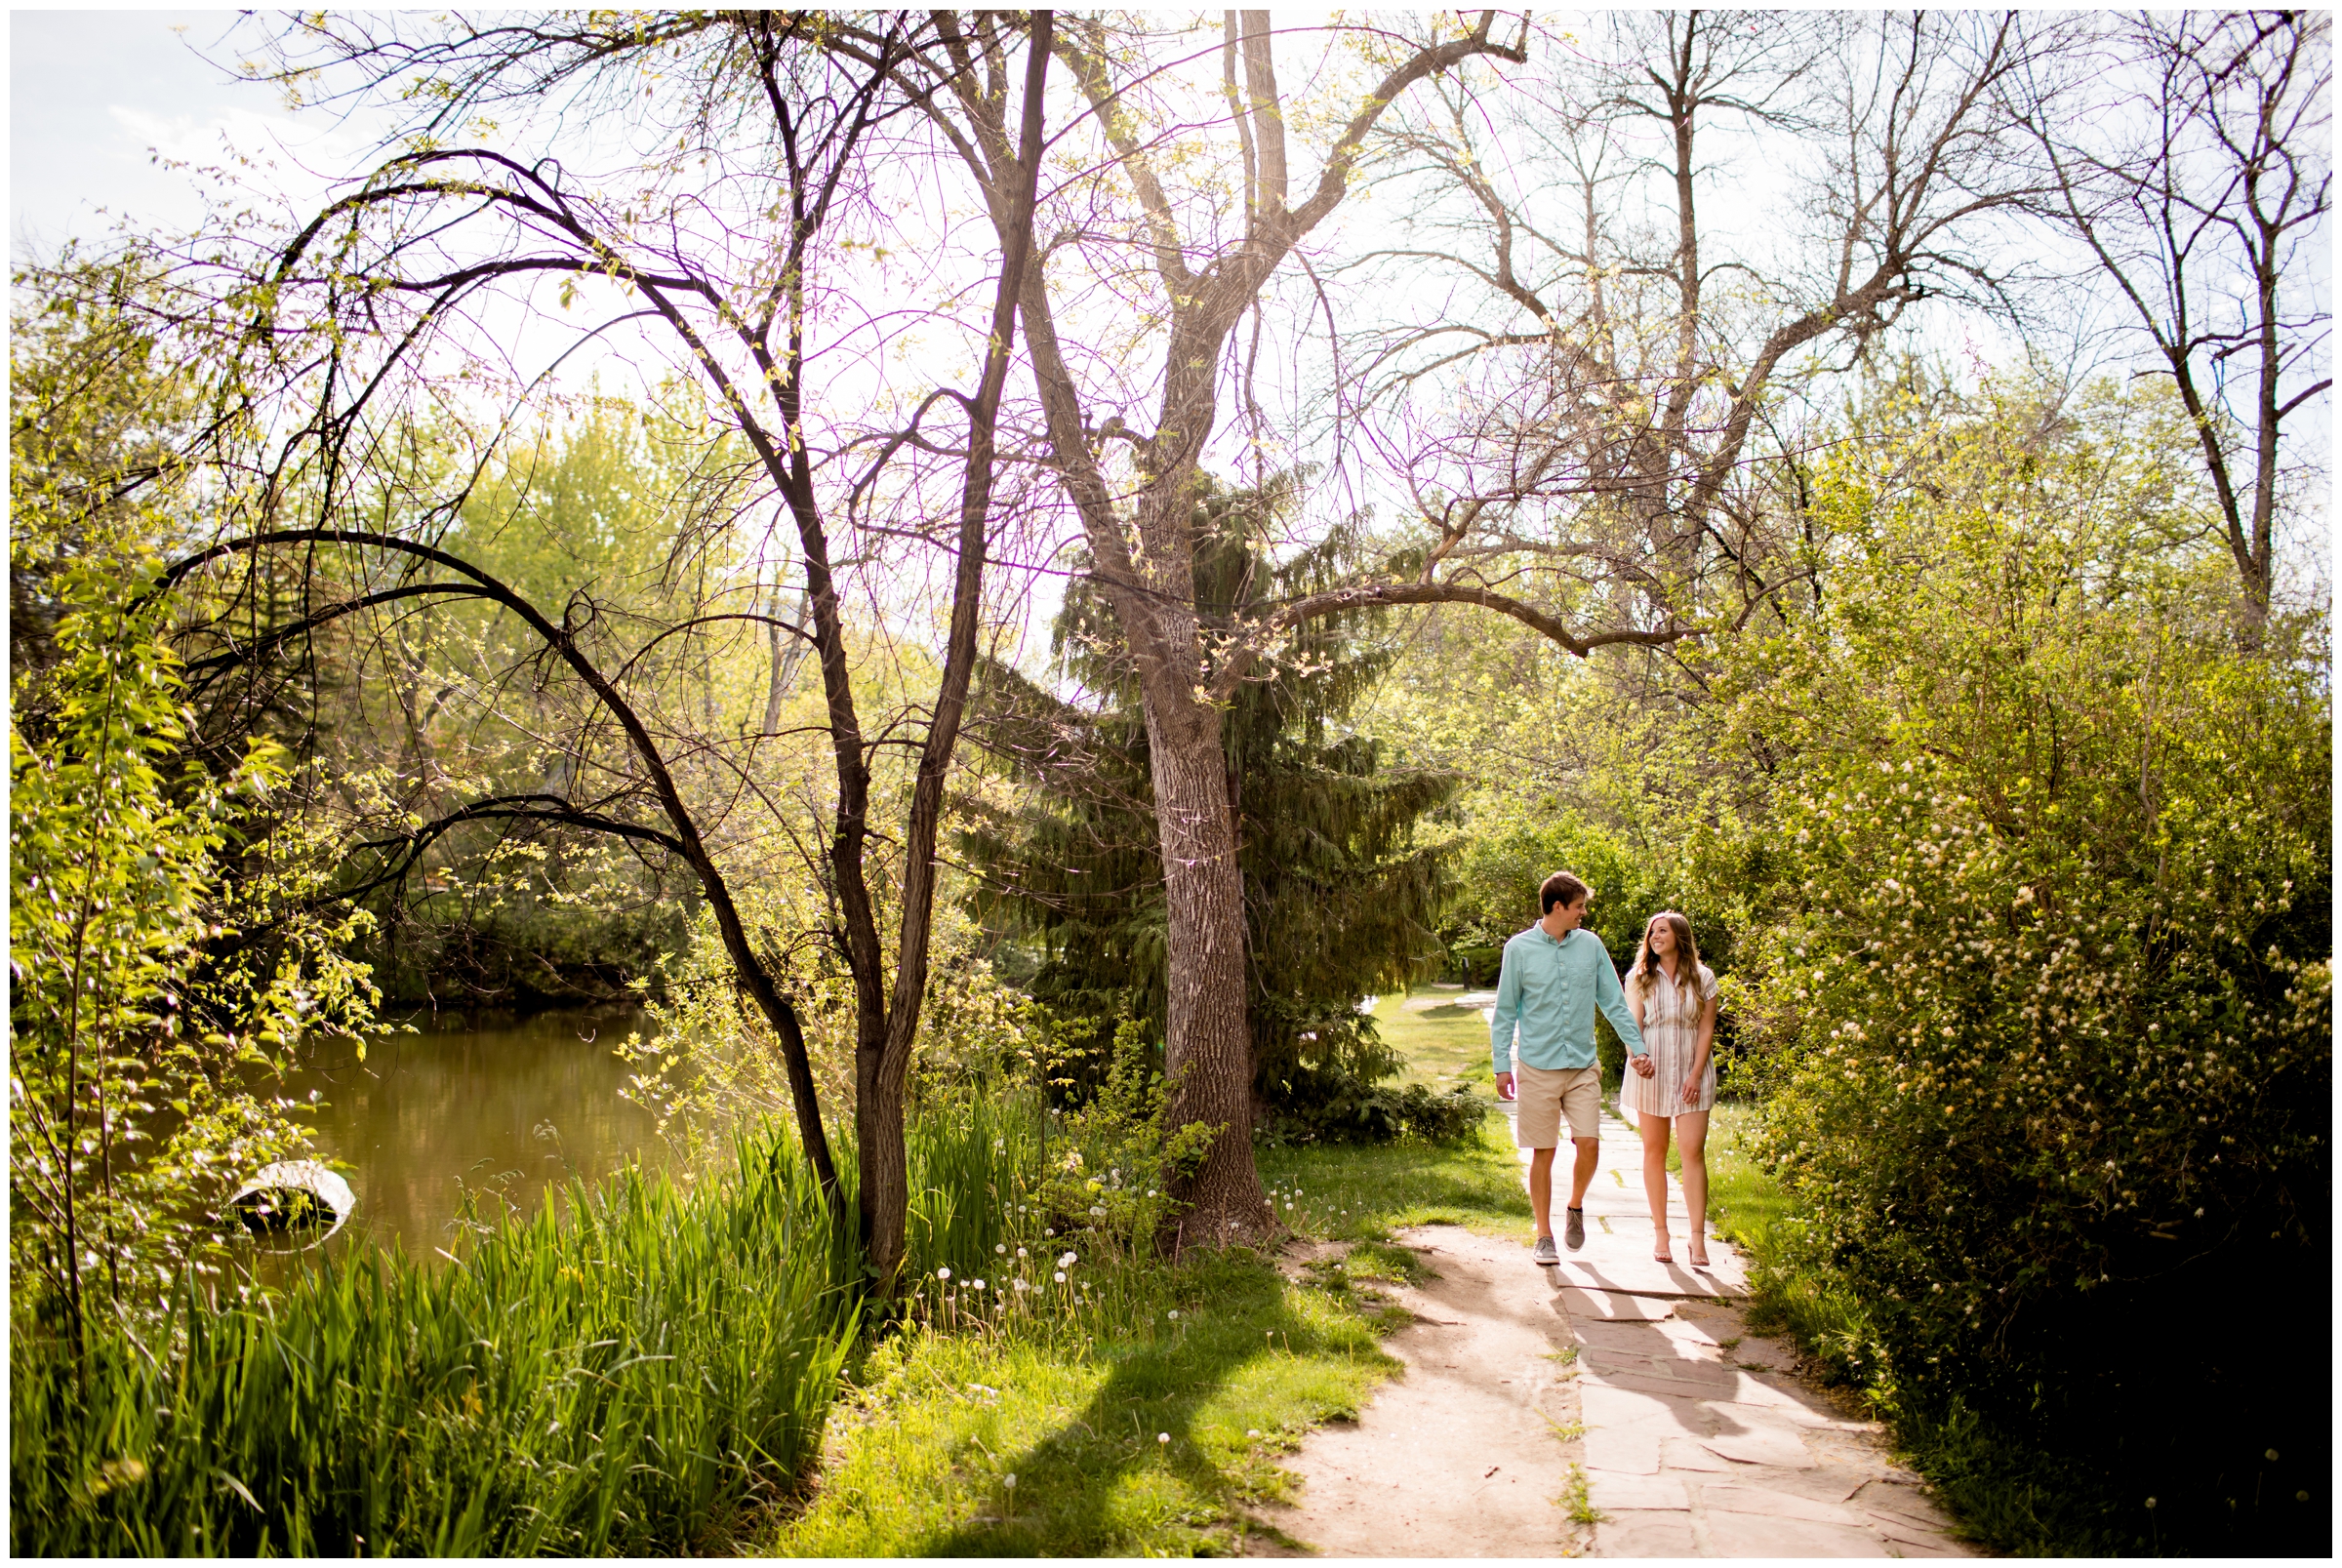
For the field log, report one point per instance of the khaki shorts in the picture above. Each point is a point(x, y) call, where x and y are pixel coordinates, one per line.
point(1545, 1093)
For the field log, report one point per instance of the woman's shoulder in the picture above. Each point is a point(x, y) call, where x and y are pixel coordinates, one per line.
point(1707, 980)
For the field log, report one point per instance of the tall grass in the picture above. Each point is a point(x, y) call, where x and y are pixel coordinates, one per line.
point(972, 1163)
point(621, 1378)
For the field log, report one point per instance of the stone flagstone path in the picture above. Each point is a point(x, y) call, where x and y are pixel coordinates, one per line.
point(1698, 1444)
point(1637, 1381)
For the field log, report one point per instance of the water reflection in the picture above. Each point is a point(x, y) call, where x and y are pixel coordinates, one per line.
point(513, 1105)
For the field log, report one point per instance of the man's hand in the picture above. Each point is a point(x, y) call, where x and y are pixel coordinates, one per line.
point(1504, 1086)
point(1643, 1065)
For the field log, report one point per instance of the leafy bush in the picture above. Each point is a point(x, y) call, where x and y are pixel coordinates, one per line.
point(621, 1380)
point(1501, 867)
point(1357, 1112)
point(713, 1062)
point(155, 997)
point(2042, 974)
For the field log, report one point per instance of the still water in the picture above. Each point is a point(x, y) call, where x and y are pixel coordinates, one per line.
point(490, 1105)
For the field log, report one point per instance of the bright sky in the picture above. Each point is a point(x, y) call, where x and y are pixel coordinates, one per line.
point(93, 95)
point(96, 96)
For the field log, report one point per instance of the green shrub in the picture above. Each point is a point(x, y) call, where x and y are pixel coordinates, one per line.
point(621, 1378)
point(2039, 957)
point(1352, 1111)
point(164, 952)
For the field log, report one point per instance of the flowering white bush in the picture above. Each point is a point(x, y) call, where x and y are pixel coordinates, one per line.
point(2034, 941)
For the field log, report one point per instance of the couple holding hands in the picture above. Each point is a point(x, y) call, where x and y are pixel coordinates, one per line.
point(1555, 975)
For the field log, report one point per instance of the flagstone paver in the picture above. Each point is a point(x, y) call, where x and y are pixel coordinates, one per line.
point(1693, 1450)
point(1693, 1438)
point(1469, 1452)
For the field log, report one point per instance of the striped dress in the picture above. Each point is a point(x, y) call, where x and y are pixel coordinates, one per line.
point(1671, 1027)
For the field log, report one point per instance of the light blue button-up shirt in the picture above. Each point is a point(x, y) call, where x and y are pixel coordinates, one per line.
point(1551, 988)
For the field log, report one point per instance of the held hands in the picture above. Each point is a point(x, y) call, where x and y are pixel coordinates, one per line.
point(1504, 1086)
point(1644, 1067)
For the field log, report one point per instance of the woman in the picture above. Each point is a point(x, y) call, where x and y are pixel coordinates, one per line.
point(1672, 997)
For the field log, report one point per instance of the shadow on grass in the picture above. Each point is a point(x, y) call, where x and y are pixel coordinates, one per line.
point(1088, 1479)
point(1363, 1192)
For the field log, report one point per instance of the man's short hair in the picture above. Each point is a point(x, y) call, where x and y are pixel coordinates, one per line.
point(1562, 889)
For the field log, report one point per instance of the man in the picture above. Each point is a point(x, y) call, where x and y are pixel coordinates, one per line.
point(1555, 975)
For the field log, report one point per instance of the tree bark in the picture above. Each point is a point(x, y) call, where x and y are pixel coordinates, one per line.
point(1207, 1055)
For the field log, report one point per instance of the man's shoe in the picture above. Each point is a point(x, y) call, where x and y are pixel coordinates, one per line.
point(1546, 1252)
point(1574, 1231)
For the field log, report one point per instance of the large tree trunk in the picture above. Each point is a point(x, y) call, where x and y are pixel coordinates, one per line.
point(1208, 1044)
point(1146, 570)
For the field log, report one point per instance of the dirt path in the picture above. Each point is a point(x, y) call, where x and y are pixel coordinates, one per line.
point(1469, 1453)
point(1610, 1407)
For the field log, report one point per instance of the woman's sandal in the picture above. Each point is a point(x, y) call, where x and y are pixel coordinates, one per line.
point(1660, 1253)
point(1699, 1260)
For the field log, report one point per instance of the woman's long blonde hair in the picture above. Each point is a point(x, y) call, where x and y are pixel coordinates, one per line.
point(1645, 971)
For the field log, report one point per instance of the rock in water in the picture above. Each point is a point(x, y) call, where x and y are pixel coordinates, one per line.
point(294, 1195)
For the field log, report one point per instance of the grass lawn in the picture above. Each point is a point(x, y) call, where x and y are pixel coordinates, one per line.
point(1742, 1202)
point(1129, 1432)
point(1444, 1042)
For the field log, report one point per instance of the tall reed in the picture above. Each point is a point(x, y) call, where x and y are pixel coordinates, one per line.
point(620, 1378)
point(973, 1161)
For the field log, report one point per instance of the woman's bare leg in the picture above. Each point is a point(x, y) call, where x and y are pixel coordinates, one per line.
point(1691, 1136)
point(1654, 1179)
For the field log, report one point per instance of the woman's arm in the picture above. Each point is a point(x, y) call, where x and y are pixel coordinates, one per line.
point(1699, 1052)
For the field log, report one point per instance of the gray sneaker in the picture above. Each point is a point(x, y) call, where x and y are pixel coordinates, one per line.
point(1545, 1251)
point(1574, 1229)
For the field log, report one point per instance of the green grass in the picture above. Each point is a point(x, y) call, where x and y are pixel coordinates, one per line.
point(1075, 1394)
point(1364, 1192)
point(625, 1378)
point(646, 1369)
point(1444, 1042)
point(1128, 1432)
point(1742, 1201)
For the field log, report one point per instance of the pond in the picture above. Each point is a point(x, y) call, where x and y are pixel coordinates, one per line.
point(488, 1103)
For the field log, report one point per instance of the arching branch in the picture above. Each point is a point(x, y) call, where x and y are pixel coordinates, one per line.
point(684, 833)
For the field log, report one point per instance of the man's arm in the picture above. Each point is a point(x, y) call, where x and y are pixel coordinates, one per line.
point(1611, 998)
point(1505, 1014)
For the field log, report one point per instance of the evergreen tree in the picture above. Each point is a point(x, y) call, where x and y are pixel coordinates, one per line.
point(1339, 897)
